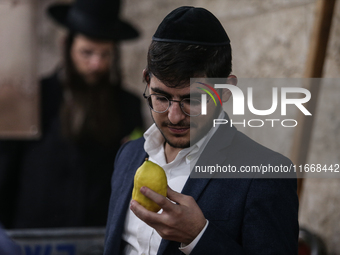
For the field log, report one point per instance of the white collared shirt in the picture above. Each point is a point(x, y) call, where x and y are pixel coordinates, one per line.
point(141, 238)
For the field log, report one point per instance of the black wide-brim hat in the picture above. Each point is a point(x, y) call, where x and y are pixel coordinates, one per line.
point(97, 19)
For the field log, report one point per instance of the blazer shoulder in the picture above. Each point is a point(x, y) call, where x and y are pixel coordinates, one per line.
point(131, 147)
point(254, 150)
point(129, 156)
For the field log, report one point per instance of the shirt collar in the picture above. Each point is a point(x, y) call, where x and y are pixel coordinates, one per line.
point(154, 143)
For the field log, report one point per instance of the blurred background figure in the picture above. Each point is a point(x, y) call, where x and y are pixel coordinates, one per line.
point(63, 179)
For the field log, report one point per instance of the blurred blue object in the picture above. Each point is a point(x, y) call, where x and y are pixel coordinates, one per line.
point(7, 246)
point(59, 241)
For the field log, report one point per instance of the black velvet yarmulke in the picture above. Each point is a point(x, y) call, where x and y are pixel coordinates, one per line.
point(191, 25)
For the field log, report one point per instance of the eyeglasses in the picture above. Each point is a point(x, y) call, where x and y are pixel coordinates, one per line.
point(160, 104)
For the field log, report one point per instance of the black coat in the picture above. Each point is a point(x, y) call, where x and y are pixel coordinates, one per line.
point(54, 182)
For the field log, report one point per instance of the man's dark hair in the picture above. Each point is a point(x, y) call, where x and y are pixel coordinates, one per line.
point(175, 63)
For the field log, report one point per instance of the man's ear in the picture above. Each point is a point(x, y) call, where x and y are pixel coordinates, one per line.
point(146, 76)
point(226, 94)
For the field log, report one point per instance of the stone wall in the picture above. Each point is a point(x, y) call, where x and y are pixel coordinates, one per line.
point(18, 86)
point(270, 39)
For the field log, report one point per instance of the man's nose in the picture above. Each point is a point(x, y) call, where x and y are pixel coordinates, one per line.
point(95, 62)
point(175, 113)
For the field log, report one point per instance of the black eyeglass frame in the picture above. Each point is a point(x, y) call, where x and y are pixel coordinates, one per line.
point(170, 100)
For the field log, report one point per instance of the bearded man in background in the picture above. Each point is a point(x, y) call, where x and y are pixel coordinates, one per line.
point(63, 179)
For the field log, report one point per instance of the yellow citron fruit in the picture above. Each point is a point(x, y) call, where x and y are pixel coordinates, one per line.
point(150, 175)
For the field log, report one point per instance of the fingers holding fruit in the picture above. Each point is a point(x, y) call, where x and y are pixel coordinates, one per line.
point(152, 176)
point(180, 222)
point(181, 219)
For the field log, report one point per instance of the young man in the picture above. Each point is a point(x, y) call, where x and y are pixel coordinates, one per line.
point(63, 179)
point(204, 215)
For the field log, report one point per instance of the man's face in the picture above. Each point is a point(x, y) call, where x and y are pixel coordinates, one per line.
point(176, 127)
point(92, 59)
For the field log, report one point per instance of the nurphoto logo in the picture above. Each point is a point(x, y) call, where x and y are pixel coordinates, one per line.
point(239, 99)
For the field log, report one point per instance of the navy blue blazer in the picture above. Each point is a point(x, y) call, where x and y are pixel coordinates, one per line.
point(246, 216)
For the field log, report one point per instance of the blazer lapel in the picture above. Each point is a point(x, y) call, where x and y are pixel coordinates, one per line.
point(126, 186)
point(123, 194)
point(212, 154)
